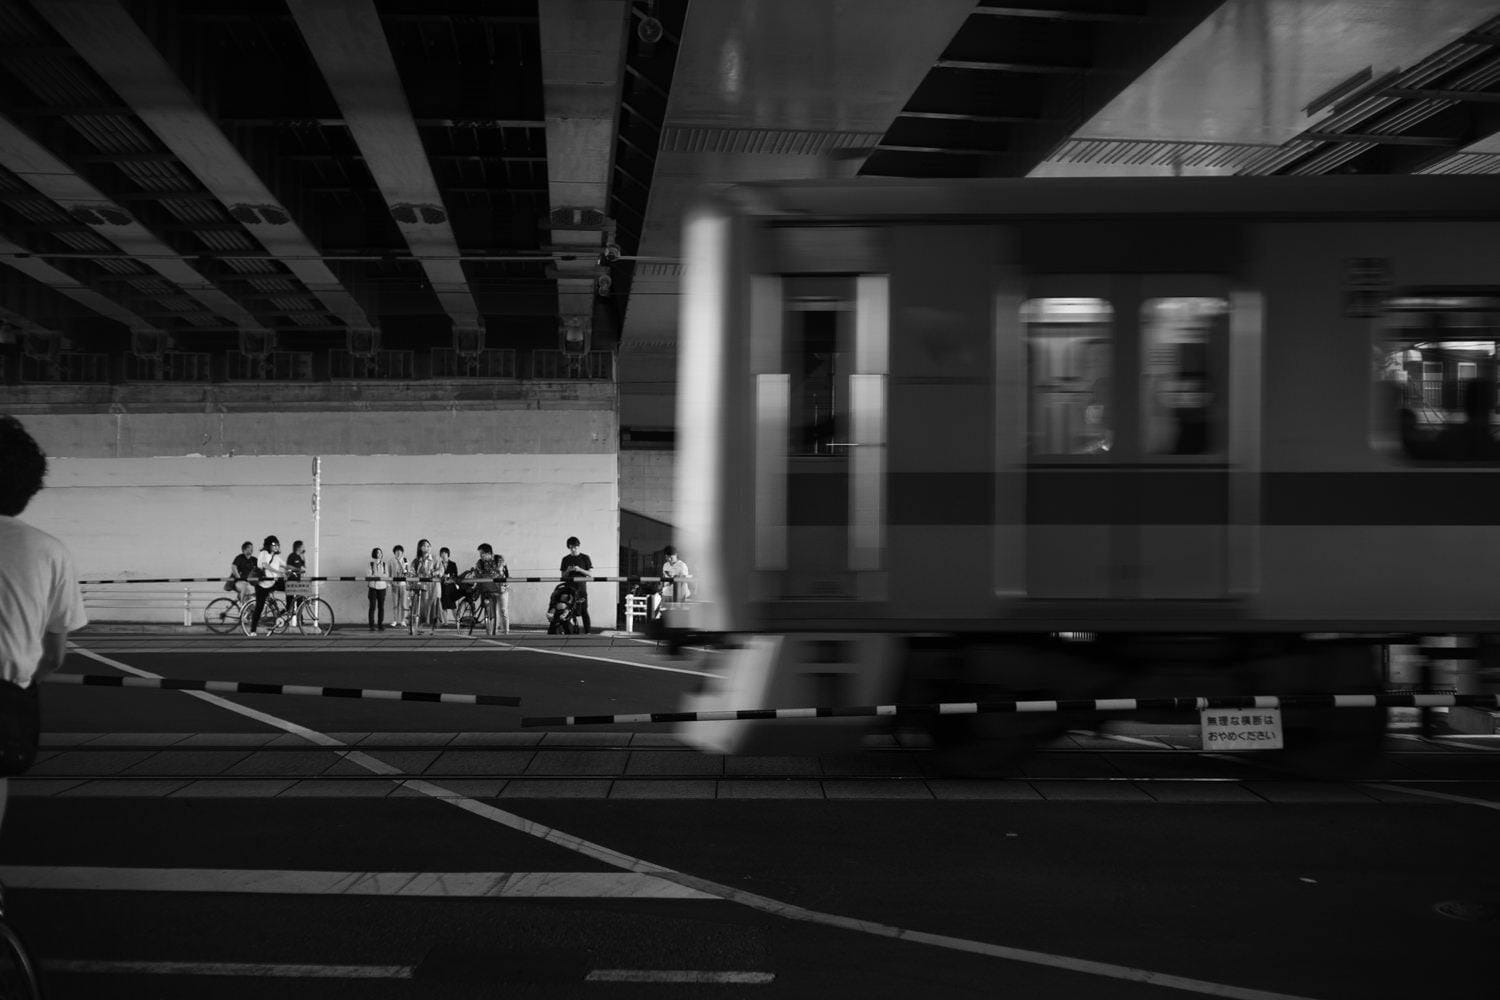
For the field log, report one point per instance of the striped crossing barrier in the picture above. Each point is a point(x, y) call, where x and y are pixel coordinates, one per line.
point(255, 687)
point(388, 579)
point(1066, 705)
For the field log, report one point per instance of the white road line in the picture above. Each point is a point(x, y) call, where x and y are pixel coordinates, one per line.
point(601, 659)
point(676, 976)
point(259, 969)
point(1443, 796)
point(764, 904)
point(297, 882)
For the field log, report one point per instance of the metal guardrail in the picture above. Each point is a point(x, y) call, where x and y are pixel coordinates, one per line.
point(595, 365)
point(68, 366)
point(277, 366)
point(377, 365)
point(490, 363)
point(172, 366)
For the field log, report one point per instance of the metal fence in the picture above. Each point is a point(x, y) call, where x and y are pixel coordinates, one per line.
point(378, 365)
point(277, 366)
point(561, 365)
point(173, 366)
point(492, 363)
point(68, 366)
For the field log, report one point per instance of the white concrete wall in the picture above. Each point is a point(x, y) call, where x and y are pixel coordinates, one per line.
point(174, 494)
point(646, 483)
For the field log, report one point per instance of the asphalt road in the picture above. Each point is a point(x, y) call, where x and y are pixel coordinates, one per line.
point(1327, 893)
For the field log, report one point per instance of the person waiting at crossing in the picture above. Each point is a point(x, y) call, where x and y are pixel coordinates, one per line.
point(674, 583)
point(40, 603)
point(296, 567)
point(376, 581)
point(577, 568)
point(450, 592)
point(270, 568)
point(427, 569)
point(490, 577)
point(399, 570)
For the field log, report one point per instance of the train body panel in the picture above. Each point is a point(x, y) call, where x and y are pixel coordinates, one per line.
point(1143, 408)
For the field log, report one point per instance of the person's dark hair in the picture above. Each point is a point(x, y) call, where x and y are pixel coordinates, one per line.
point(670, 550)
point(486, 548)
point(246, 545)
point(444, 552)
point(397, 548)
point(421, 542)
point(297, 545)
point(270, 541)
point(375, 552)
point(25, 467)
point(572, 541)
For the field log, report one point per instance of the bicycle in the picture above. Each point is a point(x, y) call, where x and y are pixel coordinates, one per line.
point(18, 973)
point(222, 614)
point(312, 615)
point(414, 603)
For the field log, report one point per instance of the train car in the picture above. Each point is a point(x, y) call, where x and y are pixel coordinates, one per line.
point(948, 440)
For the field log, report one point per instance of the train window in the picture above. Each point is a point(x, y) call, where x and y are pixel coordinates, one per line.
point(1436, 367)
point(816, 346)
point(1069, 350)
point(1184, 372)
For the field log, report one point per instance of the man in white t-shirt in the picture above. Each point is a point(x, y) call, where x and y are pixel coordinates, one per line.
point(39, 600)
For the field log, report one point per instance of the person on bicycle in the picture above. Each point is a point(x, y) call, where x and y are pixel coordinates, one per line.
point(270, 567)
point(40, 603)
point(488, 574)
point(242, 572)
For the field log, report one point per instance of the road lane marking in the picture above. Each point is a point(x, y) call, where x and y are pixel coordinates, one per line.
point(256, 969)
point(1443, 796)
point(298, 882)
point(676, 976)
point(764, 904)
point(601, 659)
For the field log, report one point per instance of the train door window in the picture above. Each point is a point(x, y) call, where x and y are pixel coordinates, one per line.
point(1184, 375)
point(1437, 361)
point(1069, 351)
point(816, 347)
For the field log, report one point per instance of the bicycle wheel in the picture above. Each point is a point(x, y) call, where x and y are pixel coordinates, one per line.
point(18, 978)
point(268, 615)
point(222, 615)
point(314, 616)
point(465, 613)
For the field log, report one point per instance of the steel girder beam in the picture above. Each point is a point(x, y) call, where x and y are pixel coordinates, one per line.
point(583, 65)
point(350, 47)
point(104, 34)
point(34, 163)
point(23, 260)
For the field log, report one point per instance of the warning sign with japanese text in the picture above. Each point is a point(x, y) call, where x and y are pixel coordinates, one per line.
point(1241, 728)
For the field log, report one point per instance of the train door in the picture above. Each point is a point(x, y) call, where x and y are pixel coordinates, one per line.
point(1140, 432)
point(819, 364)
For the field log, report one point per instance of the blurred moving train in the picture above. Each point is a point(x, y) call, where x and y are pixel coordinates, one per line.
point(957, 440)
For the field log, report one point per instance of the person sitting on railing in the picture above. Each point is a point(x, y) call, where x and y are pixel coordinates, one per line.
point(674, 583)
point(242, 572)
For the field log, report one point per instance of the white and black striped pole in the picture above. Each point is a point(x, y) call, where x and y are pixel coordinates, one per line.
point(1063, 705)
point(301, 690)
